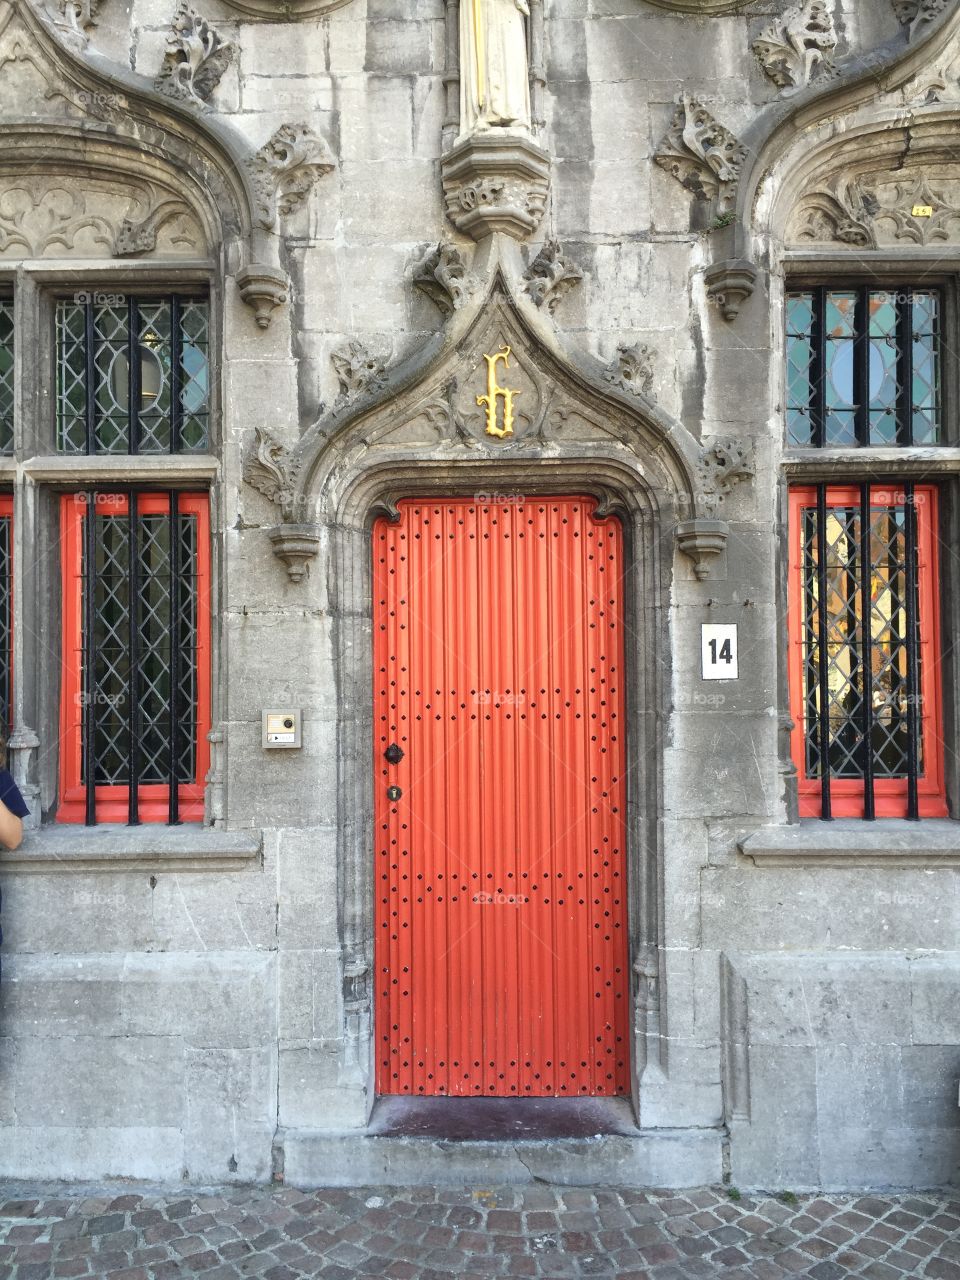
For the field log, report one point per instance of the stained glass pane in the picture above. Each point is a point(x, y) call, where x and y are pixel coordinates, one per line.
point(168, 401)
point(887, 683)
point(863, 396)
point(6, 375)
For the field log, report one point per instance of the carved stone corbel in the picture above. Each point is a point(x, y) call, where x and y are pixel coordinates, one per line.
point(284, 170)
point(702, 541)
point(264, 289)
point(702, 154)
point(441, 275)
point(296, 545)
point(729, 284)
point(496, 181)
point(195, 60)
point(550, 276)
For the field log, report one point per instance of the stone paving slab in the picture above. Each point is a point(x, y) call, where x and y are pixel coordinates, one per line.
point(280, 1233)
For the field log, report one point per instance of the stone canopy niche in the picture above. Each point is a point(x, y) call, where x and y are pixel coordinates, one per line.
point(285, 10)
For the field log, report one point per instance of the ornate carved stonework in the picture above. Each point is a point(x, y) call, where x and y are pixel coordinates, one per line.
point(702, 154)
point(441, 276)
point(833, 213)
point(195, 60)
point(897, 210)
point(632, 368)
point(495, 181)
point(284, 170)
point(358, 371)
point(723, 463)
point(271, 469)
point(798, 44)
point(550, 276)
point(51, 215)
point(76, 18)
point(139, 234)
point(917, 14)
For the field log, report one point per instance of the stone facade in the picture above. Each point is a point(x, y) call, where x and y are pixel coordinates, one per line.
point(195, 1003)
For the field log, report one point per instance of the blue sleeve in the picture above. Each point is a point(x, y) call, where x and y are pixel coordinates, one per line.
point(10, 795)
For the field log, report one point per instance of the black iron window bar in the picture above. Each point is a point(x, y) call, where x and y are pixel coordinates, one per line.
point(817, 356)
point(878, 539)
point(180, 719)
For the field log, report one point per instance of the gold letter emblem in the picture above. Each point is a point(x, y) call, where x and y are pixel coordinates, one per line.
point(496, 393)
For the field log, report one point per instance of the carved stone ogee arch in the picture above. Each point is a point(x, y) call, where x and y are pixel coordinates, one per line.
point(65, 103)
point(891, 82)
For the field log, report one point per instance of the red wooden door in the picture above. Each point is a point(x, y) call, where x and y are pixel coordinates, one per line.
point(501, 887)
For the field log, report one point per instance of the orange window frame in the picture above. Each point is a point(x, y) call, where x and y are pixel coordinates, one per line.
point(154, 798)
point(847, 794)
point(6, 513)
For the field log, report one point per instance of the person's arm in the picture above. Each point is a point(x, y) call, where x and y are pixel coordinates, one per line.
point(11, 828)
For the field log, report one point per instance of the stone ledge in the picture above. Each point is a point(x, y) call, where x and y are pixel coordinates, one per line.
point(652, 1158)
point(104, 469)
point(852, 842)
point(191, 847)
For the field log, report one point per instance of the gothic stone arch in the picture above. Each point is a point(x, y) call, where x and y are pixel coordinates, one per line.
point(424, 435)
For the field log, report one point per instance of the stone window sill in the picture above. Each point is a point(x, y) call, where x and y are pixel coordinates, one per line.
point(150, 847)
point(933, 842)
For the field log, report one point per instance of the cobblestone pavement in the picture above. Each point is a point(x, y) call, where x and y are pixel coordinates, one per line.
point(428, 1234)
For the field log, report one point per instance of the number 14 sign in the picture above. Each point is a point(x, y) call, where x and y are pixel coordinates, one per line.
point(719, 652)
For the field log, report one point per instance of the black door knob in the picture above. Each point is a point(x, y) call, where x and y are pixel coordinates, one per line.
point(394, 793)
point(393, 753)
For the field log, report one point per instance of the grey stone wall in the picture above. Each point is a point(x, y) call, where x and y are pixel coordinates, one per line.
point(189, 1005)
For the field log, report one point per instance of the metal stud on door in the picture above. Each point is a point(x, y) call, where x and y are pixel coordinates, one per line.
point(501, 889)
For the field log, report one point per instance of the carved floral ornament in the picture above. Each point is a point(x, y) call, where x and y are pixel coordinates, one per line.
point(879, 211)
point(799, 44)
point(702, 154)
point(919, 14)
point(196, 58)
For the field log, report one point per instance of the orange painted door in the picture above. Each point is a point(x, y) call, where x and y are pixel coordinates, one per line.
point(500, 876)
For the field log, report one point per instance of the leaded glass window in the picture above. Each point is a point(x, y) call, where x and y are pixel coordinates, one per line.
point(864, 679)
point(6, 375)
point(137, 583)
point(863, 367)
point(132, 374)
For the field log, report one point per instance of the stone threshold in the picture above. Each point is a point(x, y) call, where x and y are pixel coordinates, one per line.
point(932, 842)
point(649, 1158)
point(109, 847)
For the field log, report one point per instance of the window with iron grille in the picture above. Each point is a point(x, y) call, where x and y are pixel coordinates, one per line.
point(6, 375)
point(136, 684)
point(863, 366)
point(6, 612)
point(132, 374)
point(864, 675)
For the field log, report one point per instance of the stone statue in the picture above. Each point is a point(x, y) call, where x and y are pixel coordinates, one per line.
point(494, 83)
